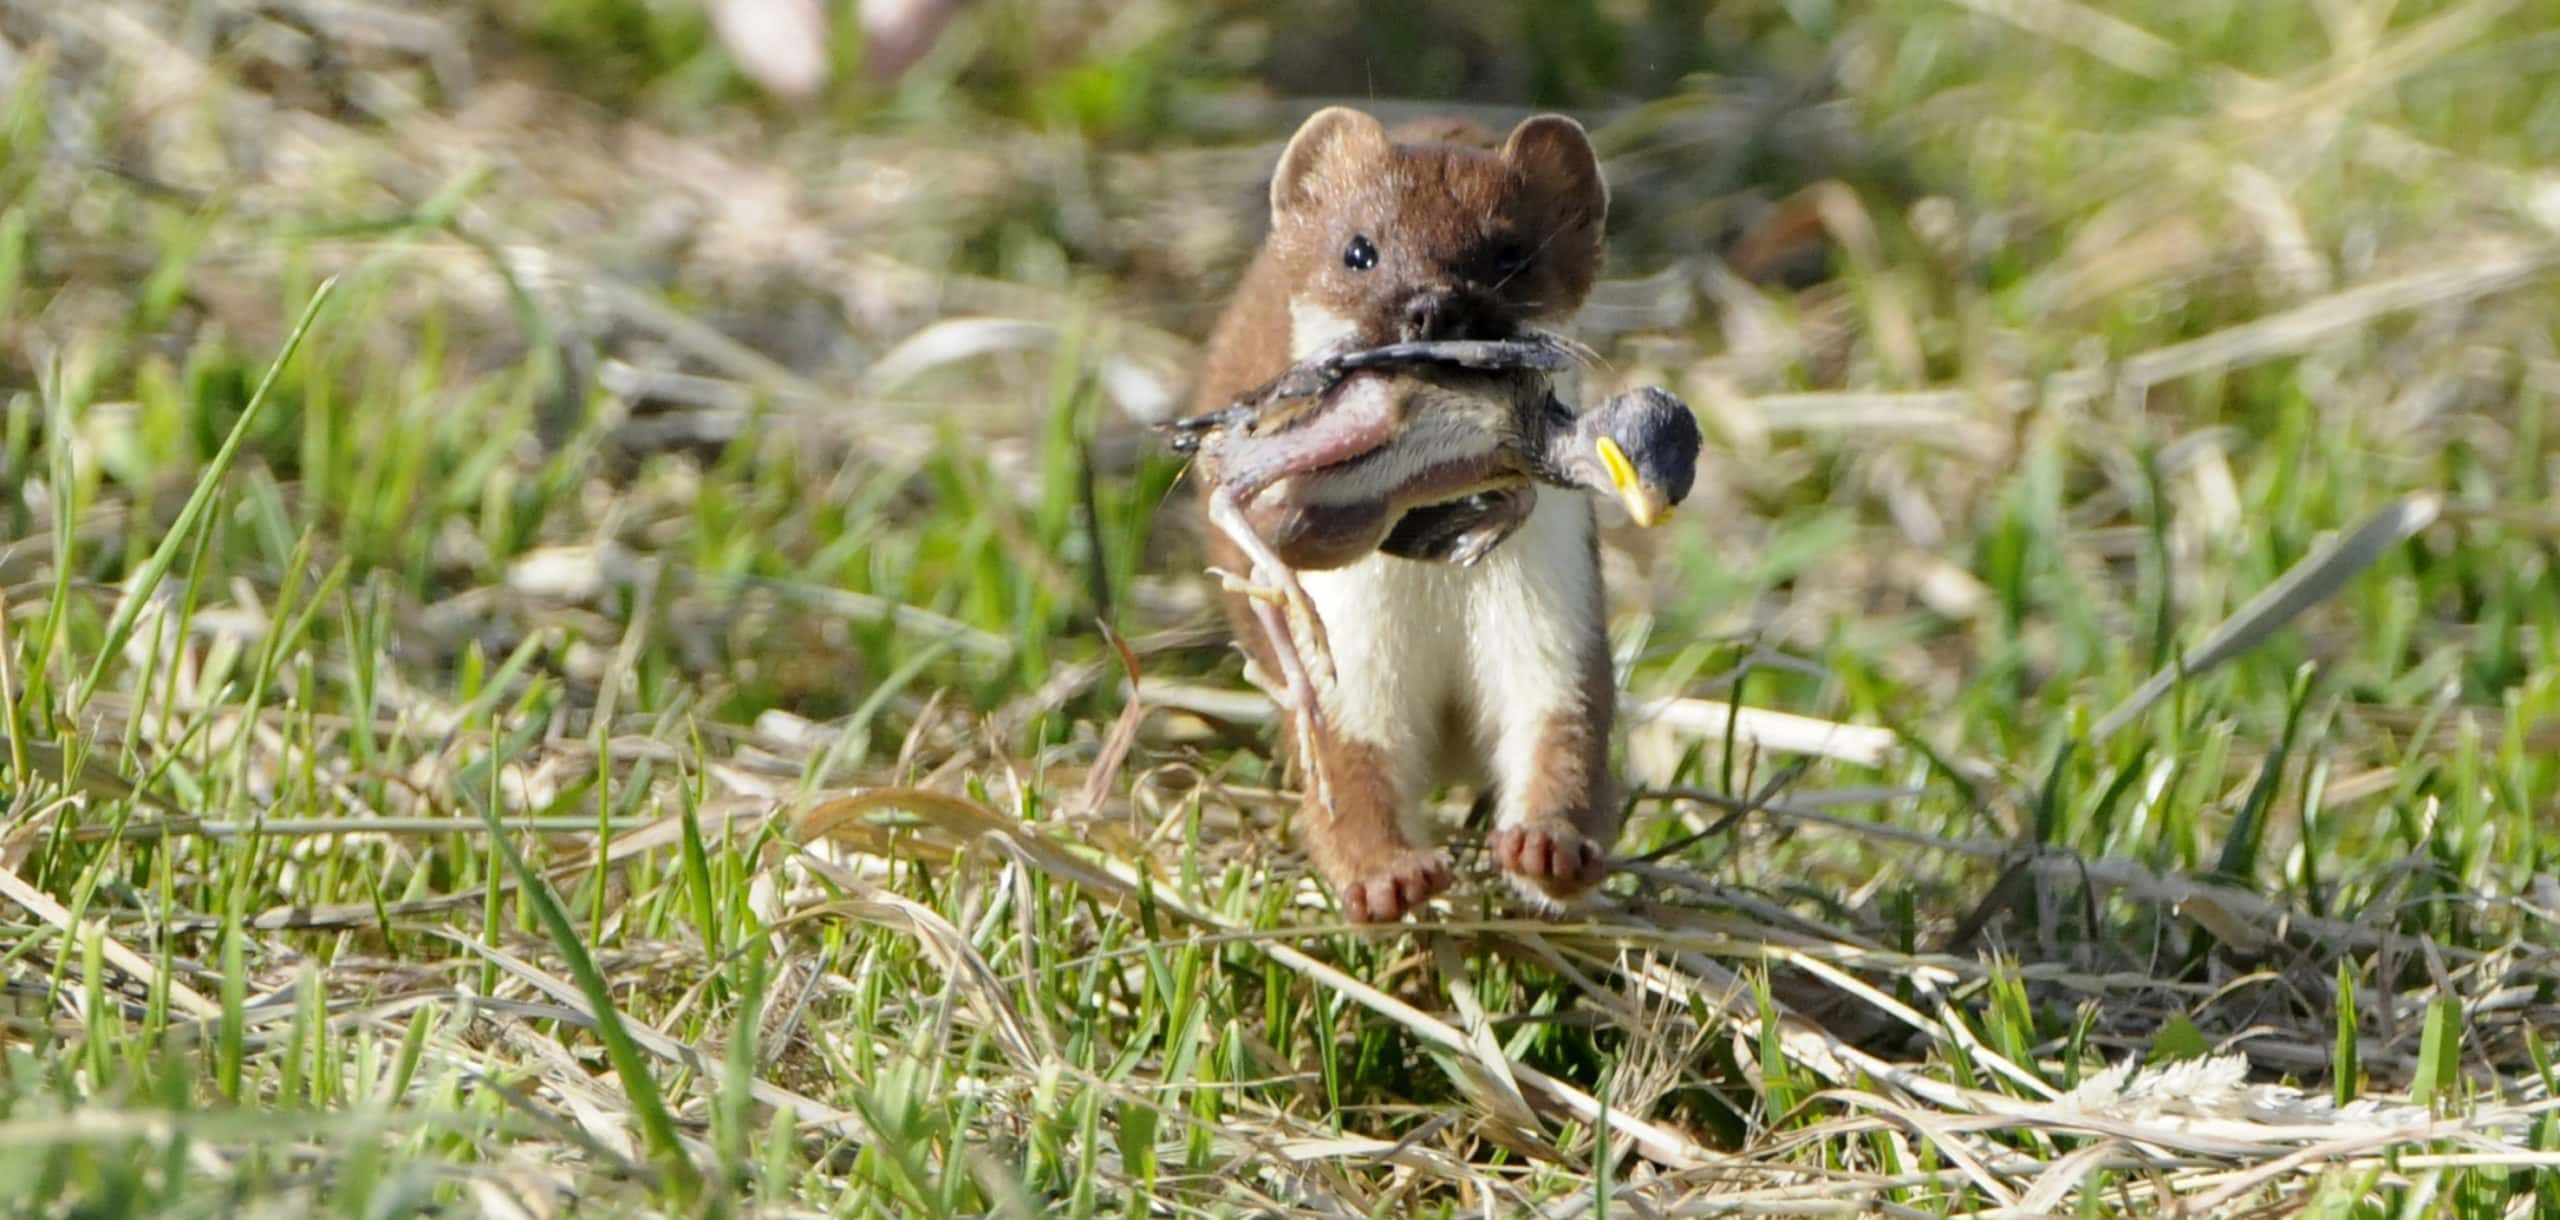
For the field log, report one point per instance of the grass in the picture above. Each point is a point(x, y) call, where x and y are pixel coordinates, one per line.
point(574, 639)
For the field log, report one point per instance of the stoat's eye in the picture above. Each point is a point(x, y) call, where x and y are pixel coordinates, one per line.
point(1509, 256)
point(1360, 255)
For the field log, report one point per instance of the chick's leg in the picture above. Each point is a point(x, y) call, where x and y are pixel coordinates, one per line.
point(1294, 634)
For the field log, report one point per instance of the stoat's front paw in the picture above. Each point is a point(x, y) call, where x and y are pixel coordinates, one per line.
point(1549, 859)
point(1389, 893)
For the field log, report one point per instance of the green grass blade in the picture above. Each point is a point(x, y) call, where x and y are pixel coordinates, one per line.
point(657, 1126)
point(2238, 863)
point(199, 503)
point(2439, 1054)
point(2313, 580)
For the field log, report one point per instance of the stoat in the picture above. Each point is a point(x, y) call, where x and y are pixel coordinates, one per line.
point(1492, 672)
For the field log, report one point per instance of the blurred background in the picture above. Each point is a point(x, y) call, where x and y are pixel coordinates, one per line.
point(632, 227)
point(873, 299)
point(727, 400)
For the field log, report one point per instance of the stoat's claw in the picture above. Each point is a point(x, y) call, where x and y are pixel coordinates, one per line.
point(1396, 888)
point(1549, 860)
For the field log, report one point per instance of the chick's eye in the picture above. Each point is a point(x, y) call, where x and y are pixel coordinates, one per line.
point(1360, 255)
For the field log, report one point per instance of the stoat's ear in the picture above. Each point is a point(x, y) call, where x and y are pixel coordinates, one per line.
point(1330, 142)
point(1551, 153)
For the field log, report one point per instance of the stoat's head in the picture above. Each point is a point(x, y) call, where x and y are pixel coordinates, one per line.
point(1434, 238)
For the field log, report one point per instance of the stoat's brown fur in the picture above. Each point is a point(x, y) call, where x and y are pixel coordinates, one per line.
point(1494, 672)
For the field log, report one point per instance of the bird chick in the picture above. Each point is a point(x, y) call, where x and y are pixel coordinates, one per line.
point(1440, 464)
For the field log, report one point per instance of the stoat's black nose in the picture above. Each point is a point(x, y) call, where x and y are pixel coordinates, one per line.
point(1444, 313)
point(1424, 315)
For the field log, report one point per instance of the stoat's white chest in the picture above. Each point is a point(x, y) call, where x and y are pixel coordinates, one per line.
point(1496, 648)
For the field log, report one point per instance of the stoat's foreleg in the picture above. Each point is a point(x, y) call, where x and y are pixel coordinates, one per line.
point(1353, 759)
point(1544, 696)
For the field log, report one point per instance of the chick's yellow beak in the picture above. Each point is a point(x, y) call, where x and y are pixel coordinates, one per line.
point(1643, 501)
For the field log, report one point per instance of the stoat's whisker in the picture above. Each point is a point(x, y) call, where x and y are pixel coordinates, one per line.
point(1525, 264)
point(1581, 353)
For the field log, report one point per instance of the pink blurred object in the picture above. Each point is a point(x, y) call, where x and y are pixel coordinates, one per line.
point(897, 33)
point(780, 44)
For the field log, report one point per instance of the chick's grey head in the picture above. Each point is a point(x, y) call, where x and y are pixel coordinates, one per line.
point(1641, 447)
